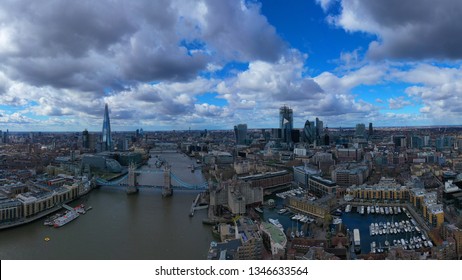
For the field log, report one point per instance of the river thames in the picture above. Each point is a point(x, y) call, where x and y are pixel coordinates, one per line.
point(121, 226)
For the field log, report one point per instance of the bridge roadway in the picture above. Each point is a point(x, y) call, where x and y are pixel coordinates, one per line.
point(156, 187)
point(182, 184)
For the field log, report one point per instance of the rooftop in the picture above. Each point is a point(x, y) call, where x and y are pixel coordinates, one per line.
point(306, 170)
point(264, 175)
point(325, 181)
point(276, 234)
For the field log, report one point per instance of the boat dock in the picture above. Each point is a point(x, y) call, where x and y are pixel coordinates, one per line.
point(193, 205)
point(197, 204)
point(67, 207)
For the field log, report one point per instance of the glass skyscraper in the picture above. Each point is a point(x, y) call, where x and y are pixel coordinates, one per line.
point(309, 132)
point(106, 138)
point(319, 130)
point(286, 123)
point(240, 131)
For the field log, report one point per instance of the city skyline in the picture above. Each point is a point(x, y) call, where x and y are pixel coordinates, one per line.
point(175, 65)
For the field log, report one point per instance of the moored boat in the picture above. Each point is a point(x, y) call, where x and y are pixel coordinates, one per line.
point(66, 218)
point(275, 222)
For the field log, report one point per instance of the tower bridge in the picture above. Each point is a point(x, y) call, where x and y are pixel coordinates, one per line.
point(171, 180)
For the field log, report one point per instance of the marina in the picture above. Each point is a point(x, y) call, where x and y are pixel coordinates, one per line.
point(294, 224)
point(392, 226)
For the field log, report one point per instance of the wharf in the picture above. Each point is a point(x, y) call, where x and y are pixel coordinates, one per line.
point(41, 214)
point(30, 219)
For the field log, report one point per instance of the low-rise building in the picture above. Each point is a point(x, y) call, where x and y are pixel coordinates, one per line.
point(317, 208)
point(274, 240)
point(379, 192)
point(321, 187)
point(350, 174)
point(248, 233)
point(435, 215)
point(303, 173)
point(351, 154)
point(450, 230)
point(269, 180)
point(10, 210)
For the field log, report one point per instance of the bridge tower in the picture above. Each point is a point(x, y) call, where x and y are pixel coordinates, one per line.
point(131, 186)
point(167, 189)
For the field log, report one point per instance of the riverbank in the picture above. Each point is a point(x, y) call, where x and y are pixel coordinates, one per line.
point(122, 227)
point(31, 219)
point(40, 215)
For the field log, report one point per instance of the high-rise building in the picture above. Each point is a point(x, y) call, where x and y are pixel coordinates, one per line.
point(85, 139)
point(106, 137)
point(371, 130)
point(426, 140)
point(326, 139)
point(319, 129)
point(286, 123)
point(295, 136)
point(399, 140)
point(240, 131)
point(417, 142)
point(6, 137)
point(360, 130)
point(309, 132)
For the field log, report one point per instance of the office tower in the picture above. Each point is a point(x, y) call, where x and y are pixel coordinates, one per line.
point(417, 142)
point(85, 139)
point(295, 135)
point(371, 130)
point(399, 140)
point(360, 130)
point(426, 140)
point(319, 129)
point(106, 138)
point(444, 142)
point(276, 133)
point(240, 132)
point(286, 123)
point(326, 139)
point(309, 132)
point(6, 137)
point(92, 141)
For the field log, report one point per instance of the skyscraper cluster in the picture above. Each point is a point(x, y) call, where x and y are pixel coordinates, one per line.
point(313, 132)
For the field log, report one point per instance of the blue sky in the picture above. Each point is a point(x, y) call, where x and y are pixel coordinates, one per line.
point(163, 65)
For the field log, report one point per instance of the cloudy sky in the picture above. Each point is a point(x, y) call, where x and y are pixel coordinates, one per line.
point(179, 64)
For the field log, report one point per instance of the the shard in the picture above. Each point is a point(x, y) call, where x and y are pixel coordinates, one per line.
point(106, 139)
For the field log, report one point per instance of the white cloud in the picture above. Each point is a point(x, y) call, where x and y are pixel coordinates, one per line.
point(66, 59)
point(325, 4)
point(405, 29)
point(398, 103)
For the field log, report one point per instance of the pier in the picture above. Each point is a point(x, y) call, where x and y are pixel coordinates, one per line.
point(67, 207)
point(195, 206)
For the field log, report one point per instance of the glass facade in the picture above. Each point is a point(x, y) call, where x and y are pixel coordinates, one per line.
point(106, 138)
